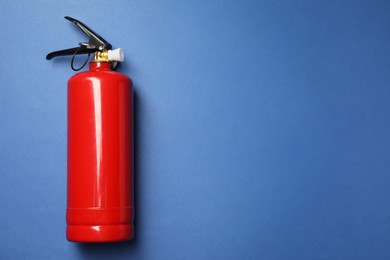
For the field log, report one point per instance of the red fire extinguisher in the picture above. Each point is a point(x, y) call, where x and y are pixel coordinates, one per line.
point(100, 163)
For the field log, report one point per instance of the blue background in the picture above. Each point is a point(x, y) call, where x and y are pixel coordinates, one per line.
point(262, 128)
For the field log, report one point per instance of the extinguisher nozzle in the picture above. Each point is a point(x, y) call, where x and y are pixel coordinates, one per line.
point(116, 55)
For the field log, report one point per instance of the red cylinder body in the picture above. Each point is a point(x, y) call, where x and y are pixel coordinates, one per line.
point(100, 171)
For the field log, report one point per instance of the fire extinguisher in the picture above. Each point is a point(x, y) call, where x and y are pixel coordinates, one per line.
point(100, 163)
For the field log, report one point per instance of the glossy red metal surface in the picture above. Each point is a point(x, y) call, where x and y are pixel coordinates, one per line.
point(100, 177)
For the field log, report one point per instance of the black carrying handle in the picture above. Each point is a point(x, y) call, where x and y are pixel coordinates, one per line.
point(95, 43)
point(67, 52)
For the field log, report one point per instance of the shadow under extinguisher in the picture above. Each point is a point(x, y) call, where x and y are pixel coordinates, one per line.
point(116, 250)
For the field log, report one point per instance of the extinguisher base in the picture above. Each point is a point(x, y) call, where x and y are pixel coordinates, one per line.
point(106, 233)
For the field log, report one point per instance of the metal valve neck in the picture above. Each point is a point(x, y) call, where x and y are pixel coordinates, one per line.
point(100, 56)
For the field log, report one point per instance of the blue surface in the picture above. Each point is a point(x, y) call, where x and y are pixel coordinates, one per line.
point(263, 128)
